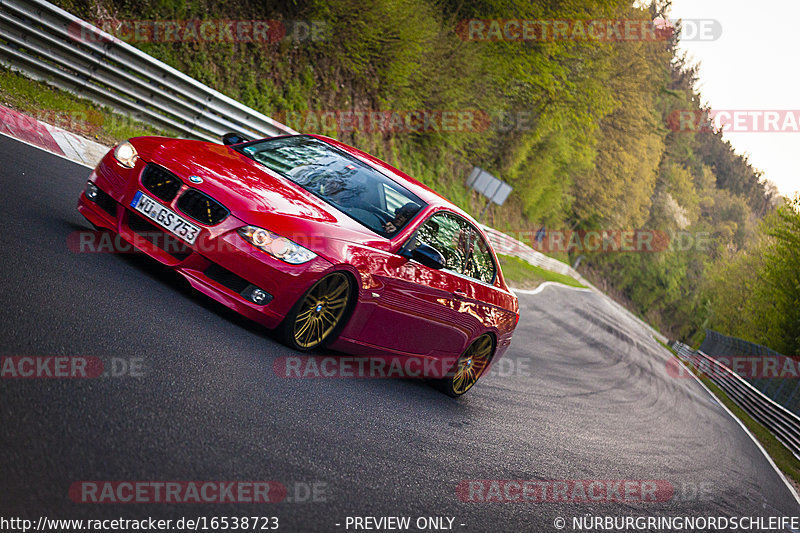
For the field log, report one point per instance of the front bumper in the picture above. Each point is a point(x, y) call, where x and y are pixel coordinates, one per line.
point(220, 264)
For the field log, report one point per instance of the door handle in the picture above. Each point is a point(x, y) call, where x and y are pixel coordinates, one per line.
point(459, 294)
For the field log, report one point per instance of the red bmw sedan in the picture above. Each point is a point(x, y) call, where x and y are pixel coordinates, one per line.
point(303, 233)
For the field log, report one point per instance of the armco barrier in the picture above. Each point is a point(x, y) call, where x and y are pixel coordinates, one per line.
point(46, 42)
point(784, 424)
point(786, 392)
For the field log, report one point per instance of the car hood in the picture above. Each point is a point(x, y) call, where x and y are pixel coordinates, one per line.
point(253, 193)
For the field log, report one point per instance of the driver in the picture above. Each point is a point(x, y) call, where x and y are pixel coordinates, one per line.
point(401, 216)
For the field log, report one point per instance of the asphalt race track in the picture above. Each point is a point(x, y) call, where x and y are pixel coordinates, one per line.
point(585, 395)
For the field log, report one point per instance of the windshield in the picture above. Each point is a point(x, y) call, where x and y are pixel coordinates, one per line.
point(341, 180)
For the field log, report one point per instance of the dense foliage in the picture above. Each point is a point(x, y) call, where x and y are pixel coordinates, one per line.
point(583, 130)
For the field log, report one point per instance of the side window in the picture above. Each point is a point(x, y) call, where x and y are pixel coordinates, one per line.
point(394, 200)
point(480, 264)
point(447, 234)
point(461, 245)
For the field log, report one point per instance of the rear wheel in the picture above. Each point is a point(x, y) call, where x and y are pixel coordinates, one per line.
point(320, 313)
point(468, 368)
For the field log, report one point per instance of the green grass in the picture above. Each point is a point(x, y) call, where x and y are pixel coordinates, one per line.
point(783, 458)
point(524, 275)
point(67, 111)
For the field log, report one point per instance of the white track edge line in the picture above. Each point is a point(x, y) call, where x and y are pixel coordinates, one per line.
point(541, 287)
point(745, 428)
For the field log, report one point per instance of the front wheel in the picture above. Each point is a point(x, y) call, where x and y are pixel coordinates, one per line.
point(320, 313)
point(468, 368)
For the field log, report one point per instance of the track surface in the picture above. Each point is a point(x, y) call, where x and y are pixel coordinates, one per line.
point(590, 399)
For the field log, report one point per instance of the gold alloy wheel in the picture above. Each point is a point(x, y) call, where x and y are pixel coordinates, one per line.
point(470, 366)
point(321, 310)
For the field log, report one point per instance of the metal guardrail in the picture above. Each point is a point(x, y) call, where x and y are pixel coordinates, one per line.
point(505, 244)
point(48, 43)
point(784, 424)
point(786, 392)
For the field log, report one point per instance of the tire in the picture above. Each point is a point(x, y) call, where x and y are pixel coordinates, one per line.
point(320, 314)
point(468, 368)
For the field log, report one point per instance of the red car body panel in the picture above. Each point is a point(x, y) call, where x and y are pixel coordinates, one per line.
point(402, 308)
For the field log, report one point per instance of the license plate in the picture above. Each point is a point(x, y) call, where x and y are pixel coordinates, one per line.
point(165, 217)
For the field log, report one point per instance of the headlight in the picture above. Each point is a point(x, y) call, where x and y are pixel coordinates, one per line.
point(125, 154)
point(276, 246)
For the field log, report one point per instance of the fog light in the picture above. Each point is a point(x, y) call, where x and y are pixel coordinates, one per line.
point(256, 295)
point(91, 191)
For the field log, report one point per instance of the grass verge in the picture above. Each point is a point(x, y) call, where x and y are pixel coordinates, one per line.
point(67, 111)
point(524, 275)
point(783, 458)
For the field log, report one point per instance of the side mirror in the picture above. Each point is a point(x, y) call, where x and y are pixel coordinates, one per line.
point(233, 138)
point(428, 256)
